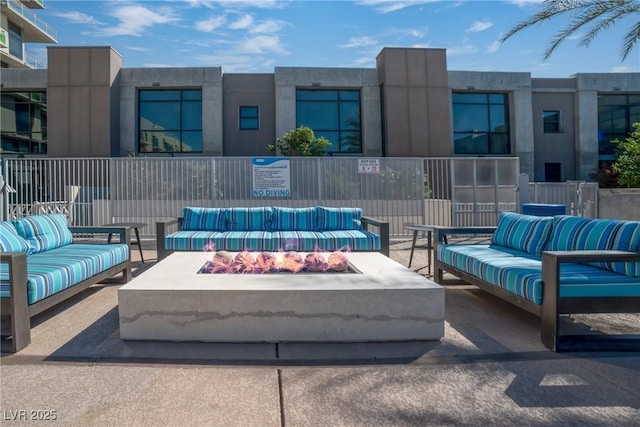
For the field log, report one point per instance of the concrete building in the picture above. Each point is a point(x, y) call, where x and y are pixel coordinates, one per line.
point(409, 105)
point(20, 24)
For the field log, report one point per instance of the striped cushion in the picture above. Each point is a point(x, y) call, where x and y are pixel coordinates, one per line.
point(246, 241)
point(627, 239)
point(296, 241)
point(526, 233)
point(572, 233)
point(57, 269)
point(209, 219)
point(339, 218)
point(352, 240)
point(194, 241)
point(249, 219)
point(10, 241)
point(44, 232)
point(521, 273)
point(293, 219)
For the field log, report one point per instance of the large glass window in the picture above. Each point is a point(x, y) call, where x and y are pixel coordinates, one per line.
point(170, 121)
point(333, 114)
point(616, 116)
point(24, 122)
point(248, 118)
point(15, 41)
point(481, 123)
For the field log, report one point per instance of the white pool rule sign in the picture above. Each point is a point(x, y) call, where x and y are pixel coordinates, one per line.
point(271, 177)
point(369, 165)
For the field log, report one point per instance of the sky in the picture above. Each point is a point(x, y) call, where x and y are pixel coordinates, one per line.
point(255, 36)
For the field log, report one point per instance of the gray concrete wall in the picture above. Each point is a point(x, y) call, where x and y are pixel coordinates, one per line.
point(208, 79)
point(554, 95)
point(518, 86)
point(288, 79)
point(416, 101)
point(248, 90)
point(22, 79)
point(619, 203)
point(79, 100)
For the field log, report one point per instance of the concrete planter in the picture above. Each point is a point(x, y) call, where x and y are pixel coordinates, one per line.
point(619, 203)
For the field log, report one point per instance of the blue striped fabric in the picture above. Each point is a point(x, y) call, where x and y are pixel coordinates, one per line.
point(195, 241)
point(572, 233)
point(247, 241)
point(627, 239)
point(526, 233)
point(520, 273)
point(353, 240)
point(10, 241)
point(331, 219)
point(249, 219)
point(204, 219)
point(44, 232)
point(296, 241)
point(57, 269)
point(293, 219)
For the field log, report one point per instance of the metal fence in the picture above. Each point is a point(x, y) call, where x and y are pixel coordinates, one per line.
point(438, 191)
point(580, 198)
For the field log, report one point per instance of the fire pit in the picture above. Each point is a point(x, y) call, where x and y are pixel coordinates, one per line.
point(376, 300)
point(276, 262)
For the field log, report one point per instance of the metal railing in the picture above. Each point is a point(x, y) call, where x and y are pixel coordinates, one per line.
point(435, 191)
point(31, 17)
point(580, 197)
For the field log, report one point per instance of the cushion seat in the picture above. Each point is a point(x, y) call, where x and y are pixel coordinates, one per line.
point(57, 269)
point(353, 240)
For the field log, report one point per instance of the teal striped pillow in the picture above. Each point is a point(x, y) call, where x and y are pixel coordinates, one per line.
point(525, 233)
point(627, 239)
point(204, 219)
point(249, 219)
point(44, 232)
point(571, 233)
point(10, 241)
point(293, 219)
point(339, 218)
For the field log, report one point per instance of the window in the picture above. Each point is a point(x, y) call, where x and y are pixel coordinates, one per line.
point(248, 118)
point(481, 123)
point(170, 121)
point(15, 41)
point(553, 172)
point(616, 115)
point(24, 122)
point(551, 121)
point(333, 114)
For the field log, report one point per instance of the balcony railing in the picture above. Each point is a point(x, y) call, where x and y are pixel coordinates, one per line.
point(31, 17)
point(3, 37)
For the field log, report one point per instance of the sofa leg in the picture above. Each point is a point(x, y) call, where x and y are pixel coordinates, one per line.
point(549, 318)
point(126, 274)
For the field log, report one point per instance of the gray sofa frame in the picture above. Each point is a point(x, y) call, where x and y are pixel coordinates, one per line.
point(163, 228)
point(552, 305)
point(16, 306)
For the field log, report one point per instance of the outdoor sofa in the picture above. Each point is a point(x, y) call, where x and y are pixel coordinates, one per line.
point(551, 266)
point(41, 265)
point(271, 229)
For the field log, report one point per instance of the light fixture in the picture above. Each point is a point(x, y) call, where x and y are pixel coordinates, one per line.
point(470, 87)
point(155, 84)
point(315, 84)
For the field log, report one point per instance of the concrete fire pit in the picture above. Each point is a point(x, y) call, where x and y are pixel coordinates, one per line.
point(381, 301)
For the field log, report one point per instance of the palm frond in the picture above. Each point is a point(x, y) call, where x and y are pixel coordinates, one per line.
point(551, 9)
point(630, 40)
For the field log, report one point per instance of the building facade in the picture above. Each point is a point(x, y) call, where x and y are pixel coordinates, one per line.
point(409, 105)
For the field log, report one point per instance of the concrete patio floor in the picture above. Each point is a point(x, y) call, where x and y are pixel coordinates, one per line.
point(489, 369)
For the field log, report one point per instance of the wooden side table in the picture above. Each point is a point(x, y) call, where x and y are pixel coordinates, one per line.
point(136, 229)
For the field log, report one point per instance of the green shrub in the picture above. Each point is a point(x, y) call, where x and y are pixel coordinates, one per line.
point(300, 142)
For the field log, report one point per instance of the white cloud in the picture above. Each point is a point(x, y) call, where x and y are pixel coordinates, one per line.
point(260, 4)
point(233, 62)
point(479, 26)
point(244, 22)
point(211, 24)
point(623, 69)
point(360, 42)
point(268, 26)
point(494, 47)
point(138, 49)
point(523, 3)
point(135, 19)
point(386, 6)
point(77, 17)
point(262, 44)
point(465, 48)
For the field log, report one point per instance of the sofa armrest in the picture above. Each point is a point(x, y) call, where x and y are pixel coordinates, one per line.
point(440, 233)
point(551, 305)
point(19, 306)
point(163, 228)
point(383, 229)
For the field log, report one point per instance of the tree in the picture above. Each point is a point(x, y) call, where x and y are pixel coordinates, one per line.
point(300, 142)
point(602, 14)
point(627, 163)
